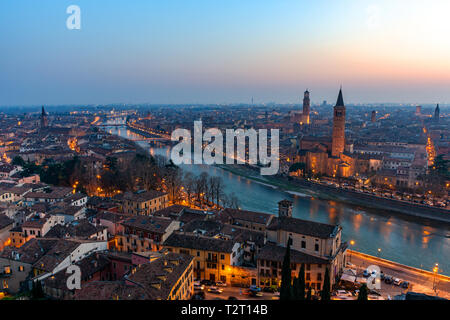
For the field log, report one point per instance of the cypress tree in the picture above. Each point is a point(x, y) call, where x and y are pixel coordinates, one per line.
point(301, 283)
point(363, 293)
point(286, 283)
point(308, 295)
point(36, 290)
point(295, 289)
point(325, 294)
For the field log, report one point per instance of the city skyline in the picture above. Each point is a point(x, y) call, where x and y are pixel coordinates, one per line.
point(210, 53)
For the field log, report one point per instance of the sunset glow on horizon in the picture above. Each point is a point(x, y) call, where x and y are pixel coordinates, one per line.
point(223, 52)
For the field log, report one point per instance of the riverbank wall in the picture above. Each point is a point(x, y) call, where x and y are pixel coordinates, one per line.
point(327, 192)
point(373, 201)
point(397, 265)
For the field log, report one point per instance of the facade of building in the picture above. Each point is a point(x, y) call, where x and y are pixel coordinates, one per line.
point(317, 245)
point(143, 203)
point(213, 258)
point(143, 233)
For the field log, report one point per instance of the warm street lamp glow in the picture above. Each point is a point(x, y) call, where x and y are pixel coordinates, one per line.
point(436, 268)
point(352, 242)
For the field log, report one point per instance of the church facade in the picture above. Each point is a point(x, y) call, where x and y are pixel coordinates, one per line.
point(329, 155)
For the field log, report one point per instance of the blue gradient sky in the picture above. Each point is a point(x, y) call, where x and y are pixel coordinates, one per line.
point(211, 51)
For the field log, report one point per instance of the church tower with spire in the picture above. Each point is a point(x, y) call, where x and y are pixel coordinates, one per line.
point(436, 113)
point(306, 107)
point(44, 120)
point(338, 138)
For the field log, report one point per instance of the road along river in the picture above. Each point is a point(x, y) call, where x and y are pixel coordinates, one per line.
point(407, 241)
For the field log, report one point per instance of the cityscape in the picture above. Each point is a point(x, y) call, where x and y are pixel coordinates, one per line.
point(94, 205)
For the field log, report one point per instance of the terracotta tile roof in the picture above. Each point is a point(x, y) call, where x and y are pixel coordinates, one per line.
point(57, 254)
point(141, 196)
point(110, 290)
point(250, 216)
point(309, 228)
point(31, 251)
point(80, 229)
point(5, 221)
point(148, 223)
point(164, 271)
point(197, 242)
point(89, 266)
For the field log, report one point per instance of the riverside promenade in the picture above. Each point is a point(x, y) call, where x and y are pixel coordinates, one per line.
point(373, 201)
point(420, 280)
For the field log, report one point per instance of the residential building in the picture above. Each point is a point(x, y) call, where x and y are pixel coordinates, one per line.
point(143, 233)
point(143, 203)
point(213, 257)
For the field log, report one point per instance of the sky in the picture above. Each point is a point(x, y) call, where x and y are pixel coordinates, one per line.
point(224, 51)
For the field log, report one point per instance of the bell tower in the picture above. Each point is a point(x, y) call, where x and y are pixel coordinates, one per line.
point(338, 138)
point(44, 120)
point(306, 107)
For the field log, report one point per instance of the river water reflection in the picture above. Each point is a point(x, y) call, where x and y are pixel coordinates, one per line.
point(405, 241)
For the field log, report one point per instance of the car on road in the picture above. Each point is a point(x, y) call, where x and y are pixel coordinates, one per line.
point(254, 288)
point(397, 281)
point(207, 282)
point(388, 279)
point(405, 284)
point(220, 284)
point(269, 289)
point(366, 274)
point(256, 294)
point(382, 275)
point(343, 293)
point(215, 290)
point(198, 286)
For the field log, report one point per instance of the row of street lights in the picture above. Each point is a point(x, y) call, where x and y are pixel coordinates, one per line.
point(435, 268)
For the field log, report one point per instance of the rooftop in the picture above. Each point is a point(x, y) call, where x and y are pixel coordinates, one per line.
point(305, 227)
point(197, 242)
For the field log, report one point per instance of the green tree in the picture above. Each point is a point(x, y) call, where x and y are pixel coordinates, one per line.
point(363, 293)
point(286, 283)
point(36, 290)
point(325, 294)
point(18, 161)
point(309, 294)
point(301, 282)
point(298, 289)
point(295, 289)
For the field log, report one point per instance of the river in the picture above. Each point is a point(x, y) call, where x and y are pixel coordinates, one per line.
point(410, 242)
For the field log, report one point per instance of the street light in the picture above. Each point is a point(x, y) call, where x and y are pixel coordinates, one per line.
point(352, 243)
point(379, 252)
point(435, 271)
